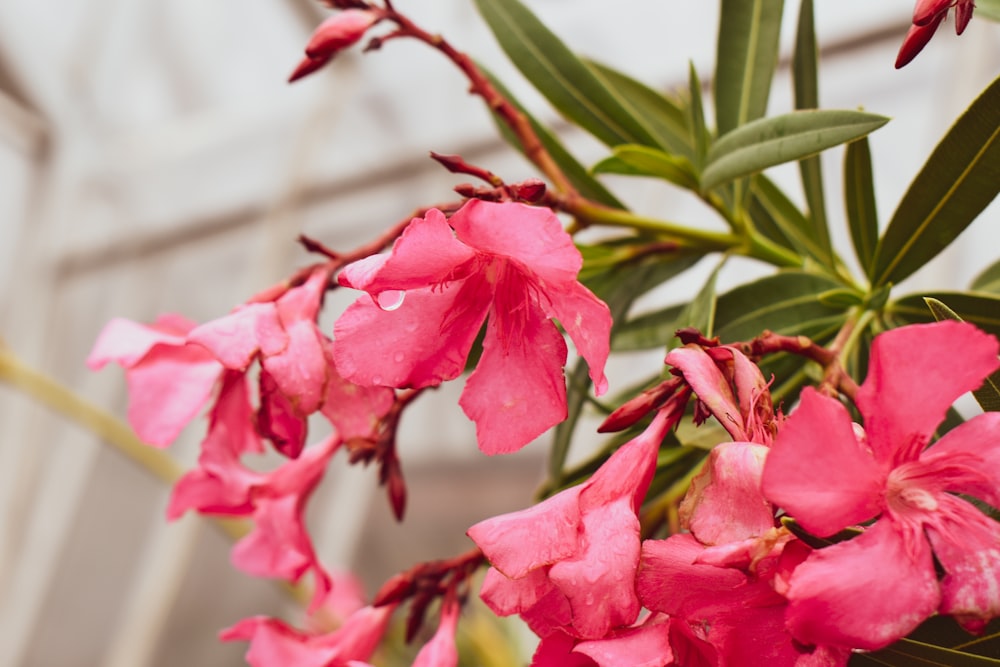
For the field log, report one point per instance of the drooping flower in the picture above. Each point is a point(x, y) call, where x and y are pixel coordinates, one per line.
point(568, 564)
point(169, 379)
point(276, 644)
point(332, 36)
point(441, 651)
point(927, 16)
point(869, 591)
point(511, 263)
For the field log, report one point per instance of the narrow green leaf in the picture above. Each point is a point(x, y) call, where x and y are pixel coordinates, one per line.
point(770, 141)
point(859, 199)
point(911, 653)
point(784, 303)
point(700, 312)
point(577, 174)
point(746, 56)
point(988, 280)
point(664, 117)
point(959, 179)
point(980, 308)
point(805, 81)
point(988, 395)
point(634, 160)
point(775, 215)
point(696, 118)
point(565, 81)
point(650, 331)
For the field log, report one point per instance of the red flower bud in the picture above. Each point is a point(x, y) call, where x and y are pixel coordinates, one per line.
point(339, 31)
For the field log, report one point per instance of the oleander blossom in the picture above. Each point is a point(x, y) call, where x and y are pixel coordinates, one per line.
point(870, 591)
point(927, 16)
point(507, 263)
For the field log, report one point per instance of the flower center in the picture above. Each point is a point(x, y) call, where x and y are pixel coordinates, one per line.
point(905, 493)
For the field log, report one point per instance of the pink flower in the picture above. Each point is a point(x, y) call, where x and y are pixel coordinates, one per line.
point(440, 651)
point(332, 36)
point(869, 591)
point(568, 564)
point(927, 16)
point(509, 262)
point(275, 644)
point(169, 379)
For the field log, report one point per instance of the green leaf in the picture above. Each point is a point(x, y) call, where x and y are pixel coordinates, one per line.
point(911, 653)
point(577, 174)
point(696, 112)
point(988, 9)
point(806, 84)
point(988, 395)
point(635, 160)
point(859, 199)
point(988, 280)
point(959, 179)
point(784, 303)
point(700, 312)
point(565, 80)
point(664, 117)
point(981, 309)
point(770, 141)
point(746, 56)
point(779, 219)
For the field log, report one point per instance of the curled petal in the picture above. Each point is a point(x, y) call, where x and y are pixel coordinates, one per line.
point(587, 320)
point(339, 31)
point(711, 386)
point(126, 342)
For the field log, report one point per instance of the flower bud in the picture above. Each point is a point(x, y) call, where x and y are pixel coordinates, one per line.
point(338, 32)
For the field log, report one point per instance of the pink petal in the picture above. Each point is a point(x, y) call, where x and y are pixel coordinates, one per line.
point(440, 651)
point(301, 369)
point(278, 420)
point(917, 37)
point(517, 391)
point(711, 386)
point(275, 644)
point(531, 235)
point(550, 614)
point(645, 646)
point(339, 31)
point(556, 650)
point(915, 374)
point(967, 544)
point(426, 254)
point(587, 320)
point(422, 343)
point(819, 472)
point(924, 11)
point(599, 580)
point(125, 341)
point(353, 410)
point(235, 338)
point(864, 593)
point(231, 421)
point(969, 455)
point(628, 471)
point(506, 596)
point(167, 388)
point(542, 534)
point(725, 503)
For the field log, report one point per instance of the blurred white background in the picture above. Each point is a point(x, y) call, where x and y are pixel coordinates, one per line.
point(153, 159)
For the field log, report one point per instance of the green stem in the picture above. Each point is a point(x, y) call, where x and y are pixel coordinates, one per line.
point(590, 213)
point(111, 430)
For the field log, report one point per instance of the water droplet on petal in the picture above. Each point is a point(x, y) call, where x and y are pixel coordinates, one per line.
point(390, 299)
point(376, 380)
point(398, 357)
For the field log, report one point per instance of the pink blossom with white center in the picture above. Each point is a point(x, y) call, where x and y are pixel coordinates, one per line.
point(869, 591)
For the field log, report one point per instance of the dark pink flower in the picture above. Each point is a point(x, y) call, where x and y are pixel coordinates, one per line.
point(509, 262)
point(275, 644)
point(927, 16)
point(169, 379)
point(869, 591)
point(440, 651)
point(568, 564)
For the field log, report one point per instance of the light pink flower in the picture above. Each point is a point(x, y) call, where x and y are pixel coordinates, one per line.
point(169, 380)
point(568, 564)
point(509, 262)
point(869, 591)
point(275, 644)
point(336, 33)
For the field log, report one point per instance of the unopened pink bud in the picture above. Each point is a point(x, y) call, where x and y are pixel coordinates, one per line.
point(339, 32)
point(306, 67)
point(916, 39)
